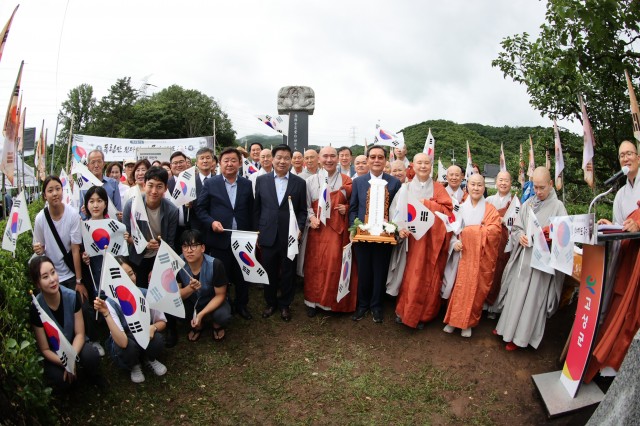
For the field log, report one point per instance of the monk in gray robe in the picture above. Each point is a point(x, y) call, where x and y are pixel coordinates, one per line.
point(529, 296)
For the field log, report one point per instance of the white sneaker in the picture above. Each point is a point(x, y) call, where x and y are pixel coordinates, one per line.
point(136, 374)
point(98, 347)
point(448, 329)
point(157, 367)
point(466, 332)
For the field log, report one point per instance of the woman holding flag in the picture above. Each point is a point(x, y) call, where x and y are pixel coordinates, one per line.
point(62, 319)
point(123, 348)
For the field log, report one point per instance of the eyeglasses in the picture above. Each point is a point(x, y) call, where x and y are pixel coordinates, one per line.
point(377, 157)
point(629, 154)
point(178, 163)
point(192, 247)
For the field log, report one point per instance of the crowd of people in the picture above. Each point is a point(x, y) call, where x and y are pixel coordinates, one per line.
point(481, 264)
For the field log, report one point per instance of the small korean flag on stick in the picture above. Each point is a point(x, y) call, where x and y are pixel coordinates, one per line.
point(58, 343)
point(292, 247)
point(345, 272)
point(119, 287)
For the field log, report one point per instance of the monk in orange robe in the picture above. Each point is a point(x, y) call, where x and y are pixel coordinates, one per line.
point(622, 319)
point(478, 242)
point(324, 243)
point(419, 295)
point(501, 202)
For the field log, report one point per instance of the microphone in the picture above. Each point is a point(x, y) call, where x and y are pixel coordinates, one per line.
point(614, 178)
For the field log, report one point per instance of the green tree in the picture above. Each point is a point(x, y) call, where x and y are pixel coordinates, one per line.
point(176, 112)
point(583, 49)
point(115, 110)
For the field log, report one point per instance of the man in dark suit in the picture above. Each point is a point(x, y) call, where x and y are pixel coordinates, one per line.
point(373, 258)
point(206, 162)
point(271, 214)
point(226, 202)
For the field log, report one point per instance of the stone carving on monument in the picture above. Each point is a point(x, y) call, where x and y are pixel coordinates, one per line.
point(376, 228)
point(296, 98)
point(298, 102)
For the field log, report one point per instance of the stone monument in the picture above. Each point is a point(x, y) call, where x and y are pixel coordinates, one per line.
point(298, 102)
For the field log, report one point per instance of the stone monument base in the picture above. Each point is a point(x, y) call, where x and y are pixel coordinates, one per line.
point(556, 399)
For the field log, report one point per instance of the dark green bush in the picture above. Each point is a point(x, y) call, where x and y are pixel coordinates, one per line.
point(24, 399)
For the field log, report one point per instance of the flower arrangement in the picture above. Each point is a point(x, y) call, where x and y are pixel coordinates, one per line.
point(390, 228)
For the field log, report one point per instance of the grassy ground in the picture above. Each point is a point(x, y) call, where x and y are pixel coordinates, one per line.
point(323, 370)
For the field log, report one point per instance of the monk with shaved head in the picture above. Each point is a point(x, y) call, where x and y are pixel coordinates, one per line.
point(416, 275)
point(479, 241)
point(454, 179)
point(529, 296)
point(501, 201)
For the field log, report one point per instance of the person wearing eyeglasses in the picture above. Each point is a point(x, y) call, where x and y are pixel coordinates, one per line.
point(622, 311)
point(203, 288)
point(372, 258)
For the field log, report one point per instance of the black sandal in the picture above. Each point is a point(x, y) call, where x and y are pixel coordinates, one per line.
point(194, 334)
point(216, 334)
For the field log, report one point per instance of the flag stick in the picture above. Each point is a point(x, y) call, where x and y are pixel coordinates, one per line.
point(104, 259)
point(238, 230)
point(69, 143)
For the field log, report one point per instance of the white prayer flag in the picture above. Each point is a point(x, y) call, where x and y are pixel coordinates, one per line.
point(532, 159)
point(419, 218)
point(248, 168)
point(17, 223)
point(279, 123)
point(58, 343)
point(243, 245)
point(541, 256)
point(382, 137)
point(345, 272)
point(292, 240)
point(503, 161)
point(84, 178)
point(67, 192)
point(469, 171)
point(430, 146)
point(96, 234)
point(324, 200)
point(589, 143)
point(185, 189)
point(442, 172)
point(119, 287)
point(561, 244)
point(559, 167)
point(164, 293)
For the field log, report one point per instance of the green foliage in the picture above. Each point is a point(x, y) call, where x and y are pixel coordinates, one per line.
point(265, 140)
point(583, 49)
point(23, 397)
point(171, 113)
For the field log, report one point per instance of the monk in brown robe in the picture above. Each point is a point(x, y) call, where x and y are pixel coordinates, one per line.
point(623, 314)
point(419, 296)
point(324, 243)
point(501, 202)
point(478, 242)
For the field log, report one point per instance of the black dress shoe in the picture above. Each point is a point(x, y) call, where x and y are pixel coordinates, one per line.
point(359, 314)
point(377, 316)
point(244, 312)
point(285, 314)
point(269, 310)
point(311, 312)
point(172, 338)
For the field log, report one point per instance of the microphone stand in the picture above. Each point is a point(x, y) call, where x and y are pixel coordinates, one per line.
point(594, 236)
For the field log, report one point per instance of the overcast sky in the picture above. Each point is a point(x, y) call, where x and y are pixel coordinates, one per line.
point(401, 62)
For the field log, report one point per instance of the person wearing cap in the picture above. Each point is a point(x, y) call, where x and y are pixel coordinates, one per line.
point(128, 170)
